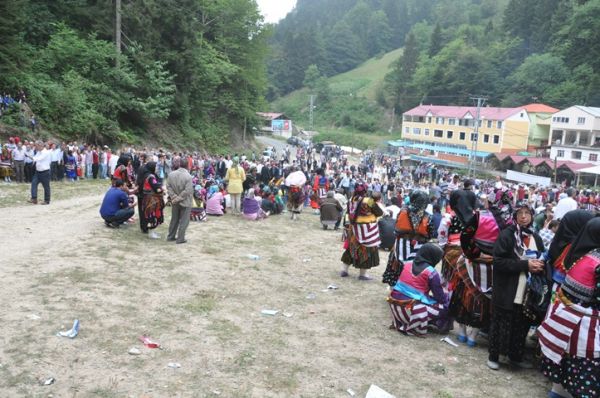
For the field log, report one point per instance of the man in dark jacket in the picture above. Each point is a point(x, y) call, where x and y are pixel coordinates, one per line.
point(331, 211)
point(517, 255)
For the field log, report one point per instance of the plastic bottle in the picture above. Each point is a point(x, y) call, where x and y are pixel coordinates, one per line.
point(253, 257)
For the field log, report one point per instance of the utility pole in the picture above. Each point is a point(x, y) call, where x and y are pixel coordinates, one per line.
point(244, 136)
point(473, 162)
point(311, 114)
point(118, 30)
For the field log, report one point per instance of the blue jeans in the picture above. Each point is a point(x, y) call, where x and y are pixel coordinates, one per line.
point(102, 170)
point(44, 178)
point(120, 216)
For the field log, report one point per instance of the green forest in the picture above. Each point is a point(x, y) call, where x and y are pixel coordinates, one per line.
point(190, 71)
point(513, 52)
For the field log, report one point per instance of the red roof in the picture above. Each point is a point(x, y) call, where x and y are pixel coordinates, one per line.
point(535, 161)
point(459, 112)
point(540, 108)
point(572, 165)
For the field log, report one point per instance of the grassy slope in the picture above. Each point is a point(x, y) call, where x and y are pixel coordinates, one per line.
point(365, 78)
point(363, 81)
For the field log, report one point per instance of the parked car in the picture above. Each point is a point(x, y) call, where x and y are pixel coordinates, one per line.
point(267, 155)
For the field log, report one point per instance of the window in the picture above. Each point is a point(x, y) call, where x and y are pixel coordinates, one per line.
point(466, 122)
point(439, 120)
point(499, 124)
point(407, 118)
point(580, 120)
point(419, 119)
point(489, 124)
point(560, 153)
point(576, 155)
point(406, 130)
point(496, 139)
point(593, 157)
point(449, 134)
point(452, 122)
point(473, 137)
point(426, 131)
point(462, 135)
point(429, 119)
point(559, 119)
point(416, 131)
point(486, 138)
point(438, 133)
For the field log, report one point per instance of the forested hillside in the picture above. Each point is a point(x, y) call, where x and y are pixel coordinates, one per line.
point(513, 52)
point(190, 69)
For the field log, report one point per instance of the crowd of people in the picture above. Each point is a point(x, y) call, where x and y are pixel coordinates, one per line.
point(489, 259)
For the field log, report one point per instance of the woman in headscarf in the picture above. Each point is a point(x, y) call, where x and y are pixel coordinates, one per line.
point(214, 201)
point(71, 166)
point(517, 255)
point(151, 200)
point(471, 278)
point(570, 335)
point(414, 227)
point(362, 233)
point(295, 181)
point(235, 178)
point(569, 227)
point(122, 170)
point(418, 298)
point(252, 210)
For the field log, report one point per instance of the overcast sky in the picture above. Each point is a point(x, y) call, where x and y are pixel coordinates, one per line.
point(274, 10)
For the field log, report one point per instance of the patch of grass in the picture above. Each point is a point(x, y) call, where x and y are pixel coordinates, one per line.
point(202, 302)
point(14, 194)
point(109, 391)
point(443, 394)
point(244, 360)
point(225, 330)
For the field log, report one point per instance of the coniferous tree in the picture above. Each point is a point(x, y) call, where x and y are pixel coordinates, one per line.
point(435, 41)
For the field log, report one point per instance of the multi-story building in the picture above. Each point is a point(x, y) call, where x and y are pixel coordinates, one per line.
point(540, 117)
point(450, 130)
point(576, 135)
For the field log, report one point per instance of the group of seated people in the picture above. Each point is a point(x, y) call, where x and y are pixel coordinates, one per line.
point(211, 199)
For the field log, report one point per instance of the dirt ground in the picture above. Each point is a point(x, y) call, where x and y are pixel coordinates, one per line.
point(202, 301)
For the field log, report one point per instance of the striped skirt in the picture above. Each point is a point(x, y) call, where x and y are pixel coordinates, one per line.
point(470, 303)
point(412, 317)
point(570, 329)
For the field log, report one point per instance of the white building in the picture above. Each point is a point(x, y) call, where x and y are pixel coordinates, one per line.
point(575, 135)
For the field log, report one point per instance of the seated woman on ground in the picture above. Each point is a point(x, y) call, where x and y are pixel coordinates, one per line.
point(418, 299)
point(251, 206)
point(214, 201)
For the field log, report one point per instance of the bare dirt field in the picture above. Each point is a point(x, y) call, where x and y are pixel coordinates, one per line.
point(202, 301)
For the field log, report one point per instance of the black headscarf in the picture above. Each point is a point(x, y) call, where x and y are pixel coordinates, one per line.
point(464, 203)
point(587, 240)
point(569, 227)
point(124, 160)
point(149, 168)
point(428, 254)
point(418, 201)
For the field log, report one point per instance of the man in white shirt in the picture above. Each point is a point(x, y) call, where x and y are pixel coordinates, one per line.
point(42, 159)
point(18, 157)
point(29, 153)
point(565, 205)
point(393, 209)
